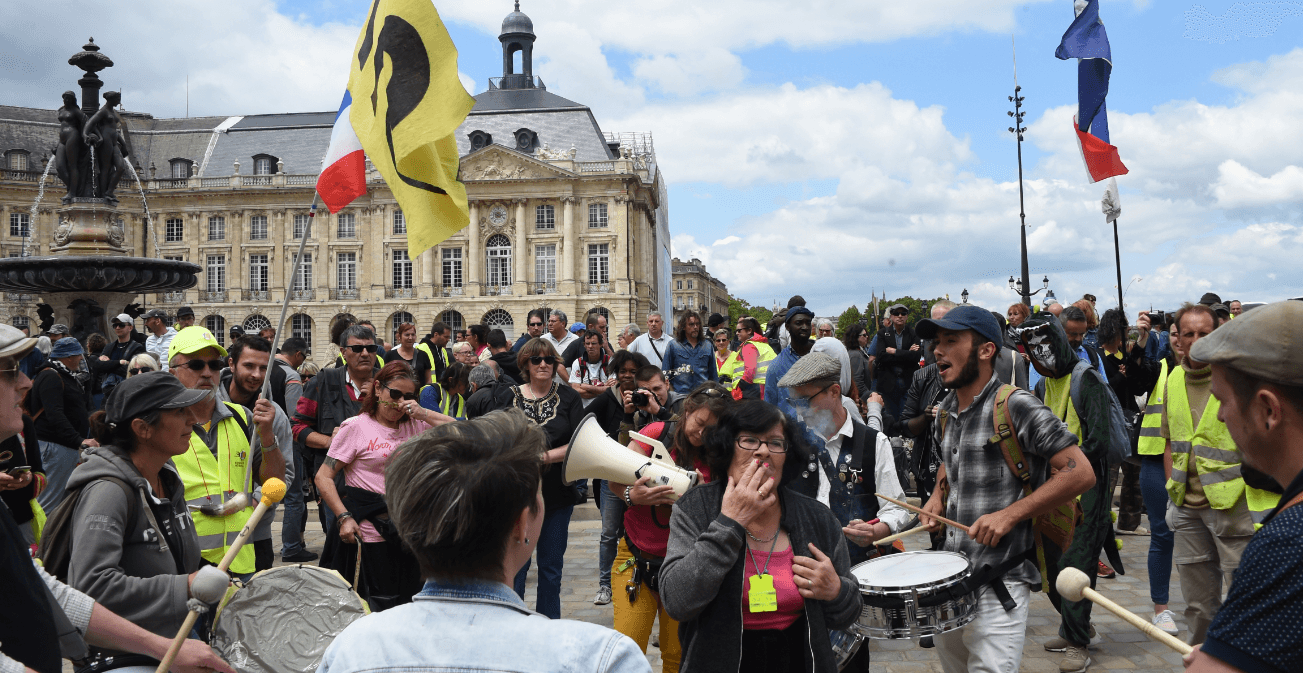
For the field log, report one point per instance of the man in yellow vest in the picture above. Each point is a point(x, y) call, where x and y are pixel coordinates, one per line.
point(750, 366)
point(216, 468)
point(1216, 497)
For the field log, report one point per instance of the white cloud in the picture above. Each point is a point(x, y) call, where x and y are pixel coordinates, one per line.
point(690, 74)
point(1240, 187)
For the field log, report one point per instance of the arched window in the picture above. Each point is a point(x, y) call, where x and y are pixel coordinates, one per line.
point(498, 250)
point(217, 325)
point(338, 324)
point(500, 319)
point(453, 319)
point(255, 323)
point(604, 313)
point(301, 327)
point(22, 322)
point(396, 320)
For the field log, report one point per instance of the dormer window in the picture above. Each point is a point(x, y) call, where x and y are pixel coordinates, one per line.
point(17, 160)
point(480, 140)
point(526, 140)
point(181, 168)
point(264, 164)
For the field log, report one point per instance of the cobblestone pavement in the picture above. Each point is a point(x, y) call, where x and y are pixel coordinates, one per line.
point(1120, 646)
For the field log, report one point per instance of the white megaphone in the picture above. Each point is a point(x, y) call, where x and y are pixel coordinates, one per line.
point(593, 455)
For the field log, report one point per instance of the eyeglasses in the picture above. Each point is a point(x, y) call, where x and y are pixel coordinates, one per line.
point(536, 324)
point(900, 311)
point(804, 402)
point(753, 444)
point(358, 348)
point(10, 375)
point(141, 370)
point(710, 391)
point(721, 340)
point(119, 325)
point(398, 394)
point(540, 359)
point(216, 364)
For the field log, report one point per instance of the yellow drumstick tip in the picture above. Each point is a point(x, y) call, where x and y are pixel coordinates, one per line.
point(273, 491)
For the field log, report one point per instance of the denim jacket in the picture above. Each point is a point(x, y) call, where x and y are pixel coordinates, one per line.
point(687, 367)
point(477, 626)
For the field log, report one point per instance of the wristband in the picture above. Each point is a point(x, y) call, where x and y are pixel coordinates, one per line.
point(341, 517)
point(627, 500)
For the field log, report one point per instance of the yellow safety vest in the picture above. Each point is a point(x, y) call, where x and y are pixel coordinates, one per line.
point(1151, 435)
point(1215, 455)
point(726, 368)
point(764, 354)
point(425, 348)
point(213, 479)
point(1058, 397)
point(446, 406)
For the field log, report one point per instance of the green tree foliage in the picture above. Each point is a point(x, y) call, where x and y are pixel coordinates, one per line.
point(918, 308)
point(848, 317)
point(739, 307)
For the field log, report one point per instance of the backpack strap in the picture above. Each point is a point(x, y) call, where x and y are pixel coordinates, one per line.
point(240, 419)
point(1006, 437)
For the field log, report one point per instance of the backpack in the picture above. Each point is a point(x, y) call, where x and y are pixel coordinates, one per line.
point(1119, 428)
point(56, 537)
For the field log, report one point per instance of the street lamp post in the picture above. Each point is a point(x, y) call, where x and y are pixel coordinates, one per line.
point(1017, 129)
point(964, 295)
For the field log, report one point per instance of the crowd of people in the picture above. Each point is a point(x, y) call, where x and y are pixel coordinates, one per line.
point(436, 465)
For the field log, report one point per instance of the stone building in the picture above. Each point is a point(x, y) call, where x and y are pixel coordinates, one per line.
point(695, 288)
point(563, 216)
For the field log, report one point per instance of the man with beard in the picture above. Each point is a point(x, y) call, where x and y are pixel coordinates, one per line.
point(986, 494)
point(1087, 416)
point(797, 324)
point(241, 383)
point(435, 352)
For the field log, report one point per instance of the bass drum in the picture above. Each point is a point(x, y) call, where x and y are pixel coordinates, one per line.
point(844, 646)
point(284, 619)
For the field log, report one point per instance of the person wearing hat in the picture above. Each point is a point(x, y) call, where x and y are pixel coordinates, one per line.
point(1257, 376)
point(185, 317)
point(1217, 500)
point(58, 331)
point(897, 355)
point(986, 495)
point(797, 324)
point(57, 405)
point(160, 335)
point(216, 466)
point(111, 364)
point(133, 543)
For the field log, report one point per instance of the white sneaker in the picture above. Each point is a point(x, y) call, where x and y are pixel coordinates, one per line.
point(1166, 621)
point(603, 596)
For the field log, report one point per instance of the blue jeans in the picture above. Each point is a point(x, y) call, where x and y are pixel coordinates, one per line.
point(58, 462)
point(296, 511)
point(551, 552)
point(613, 507)
point(1153, 488)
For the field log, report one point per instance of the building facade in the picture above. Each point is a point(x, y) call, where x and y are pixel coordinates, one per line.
point(563, 216)
point(694, 288)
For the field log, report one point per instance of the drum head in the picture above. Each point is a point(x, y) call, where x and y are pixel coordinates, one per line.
point(910, 569)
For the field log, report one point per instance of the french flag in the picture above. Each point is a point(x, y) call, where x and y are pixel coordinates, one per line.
point(343, 177)
point(1087, 41)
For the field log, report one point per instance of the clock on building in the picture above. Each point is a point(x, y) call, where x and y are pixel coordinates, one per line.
point(498, 215)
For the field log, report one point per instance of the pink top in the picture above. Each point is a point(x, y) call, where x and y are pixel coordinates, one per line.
point(365, 445)
point(790, 604)
point(649, 527)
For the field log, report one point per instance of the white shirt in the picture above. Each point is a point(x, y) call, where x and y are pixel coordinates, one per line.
point(884, 475)
point(593, 377)
point(560, 346)
point(644, 344)
point(158, 345)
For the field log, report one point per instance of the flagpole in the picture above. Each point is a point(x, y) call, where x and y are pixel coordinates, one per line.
point(1017, 129)
point(1117, 257)
point(289, 291)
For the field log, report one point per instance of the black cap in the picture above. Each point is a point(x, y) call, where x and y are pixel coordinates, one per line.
point(150, 391)
point(714, 320)
point(185, 311)
point(236, 331)
point(156, 313)
point(1210, 298)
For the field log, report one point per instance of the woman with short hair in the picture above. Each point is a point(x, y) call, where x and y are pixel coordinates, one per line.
point(756, 573)
point(447, 395)
point(307, 370)
point(141, 364)
point(465, 354)
point(467, 499)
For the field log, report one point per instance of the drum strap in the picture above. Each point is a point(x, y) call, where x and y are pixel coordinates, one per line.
point(992, 576)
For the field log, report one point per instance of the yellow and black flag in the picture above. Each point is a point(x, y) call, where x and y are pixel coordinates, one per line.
point(407, 102)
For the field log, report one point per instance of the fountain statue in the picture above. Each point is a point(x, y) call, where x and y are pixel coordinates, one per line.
point(88, 276)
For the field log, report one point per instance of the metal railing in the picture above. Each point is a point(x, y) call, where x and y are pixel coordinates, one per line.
point(212, 296)
point(172, 298)
point(599, 288)
point(497, 290)
point(303, 295)
point(17, 296)
point(400, 293)
point(345, 293)
point(496, 82)
point(542, 288)
point(255, 295)
point(449, 290)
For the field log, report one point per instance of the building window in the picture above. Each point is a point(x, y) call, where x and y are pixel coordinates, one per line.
point(402, 269)
point(347, 225)
point(599, 263)
point(217, 325)
point(256, 323)
point(400, 318)
point(300, 225)
point(301, 327)
point(545, 265)
point(20, 224)
point(174, 258)
point(596, 215)
point(678, 285)
point(452, 267)
point(180, 169)
point(400, 223)
point(346, 271)
point(216, 275)
point(498, 250)
point(453, 320)
point(480, 140)
point(258, 273)
point(22, 322)
point(258, 228)
point(545, 217)
point(500, 319)
point(217, 228)
point(689, 284)
point(173, 229)
point(264, 165)
point(303, 274)
point(18, 161)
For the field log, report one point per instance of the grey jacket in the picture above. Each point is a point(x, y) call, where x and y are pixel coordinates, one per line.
point(120, 562)
point(701, 579)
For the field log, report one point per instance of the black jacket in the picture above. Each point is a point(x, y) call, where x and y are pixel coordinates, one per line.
point(57, 404)
point(902, 363)
point(1142, 375)
point(19, 501)
point(129, 350)
point(507, 363)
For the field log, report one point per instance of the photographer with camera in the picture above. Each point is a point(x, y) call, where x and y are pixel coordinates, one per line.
point(651, 400)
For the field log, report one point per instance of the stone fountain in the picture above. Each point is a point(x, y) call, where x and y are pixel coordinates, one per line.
point(89, 277)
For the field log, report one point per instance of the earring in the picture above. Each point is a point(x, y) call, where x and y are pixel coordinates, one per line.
point(525, 541)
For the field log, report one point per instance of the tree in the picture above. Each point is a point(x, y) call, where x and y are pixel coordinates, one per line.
point(918, 308)
point(850, 316)
point(738, 308)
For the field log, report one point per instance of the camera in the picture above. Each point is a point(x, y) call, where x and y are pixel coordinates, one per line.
point(640, 398)
point(1157, 318)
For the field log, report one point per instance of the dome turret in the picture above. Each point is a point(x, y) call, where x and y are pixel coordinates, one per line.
point(517, 22)
point(517, 36)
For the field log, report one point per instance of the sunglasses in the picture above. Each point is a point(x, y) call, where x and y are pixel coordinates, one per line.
point(119, 325)
point(711, 391)
point(540, 359)
point(899, 312)
point(141, 370)
point(398, 394)
point(216, 364)
point(536, 324)
point(358, 348)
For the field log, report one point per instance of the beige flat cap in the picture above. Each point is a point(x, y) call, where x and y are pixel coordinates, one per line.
point(1266, 343)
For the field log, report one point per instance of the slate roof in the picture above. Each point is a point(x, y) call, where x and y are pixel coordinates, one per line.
point(558, 122)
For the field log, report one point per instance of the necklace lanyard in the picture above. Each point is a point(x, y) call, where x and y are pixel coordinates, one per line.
point(772, 545)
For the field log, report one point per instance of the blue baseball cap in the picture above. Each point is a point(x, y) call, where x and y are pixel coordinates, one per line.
point(961, 318)
point(577, 327)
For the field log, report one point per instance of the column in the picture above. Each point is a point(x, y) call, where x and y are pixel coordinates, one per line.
point(620, 223)
point(427, 268)
point(520, 254)
point(472, 253)
point(567, 270)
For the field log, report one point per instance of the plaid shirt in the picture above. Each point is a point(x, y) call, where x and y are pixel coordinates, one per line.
point(982, 483)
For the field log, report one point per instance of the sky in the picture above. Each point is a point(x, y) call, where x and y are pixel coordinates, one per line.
point(828, 148)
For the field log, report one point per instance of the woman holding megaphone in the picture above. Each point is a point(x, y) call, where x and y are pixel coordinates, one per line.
point(647, 522)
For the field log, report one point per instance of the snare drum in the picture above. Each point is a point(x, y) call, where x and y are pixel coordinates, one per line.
point(905, 595)
point(844, 646)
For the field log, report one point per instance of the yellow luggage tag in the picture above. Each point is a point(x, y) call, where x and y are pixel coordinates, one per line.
point(761, 595)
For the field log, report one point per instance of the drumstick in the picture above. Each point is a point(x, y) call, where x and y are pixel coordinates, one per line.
point(919, 510)
point(273, 490)
point(1074, 585)
point(896, 536)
